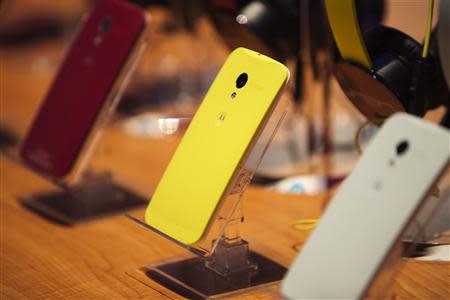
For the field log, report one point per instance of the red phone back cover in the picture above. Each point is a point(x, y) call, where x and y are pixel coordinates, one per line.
point(82, 87)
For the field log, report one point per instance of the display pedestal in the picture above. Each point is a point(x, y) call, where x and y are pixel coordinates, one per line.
point(228, 267)
point(97, 195)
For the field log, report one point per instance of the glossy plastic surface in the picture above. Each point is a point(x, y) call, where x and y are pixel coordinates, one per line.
point(347, 33)
point(360, 230)
point(215, 146)
point(82, 87)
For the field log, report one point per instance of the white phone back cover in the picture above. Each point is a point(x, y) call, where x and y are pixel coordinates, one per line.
point(369, 212)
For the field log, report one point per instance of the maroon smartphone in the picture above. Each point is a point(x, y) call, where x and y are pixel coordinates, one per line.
point(84, 87)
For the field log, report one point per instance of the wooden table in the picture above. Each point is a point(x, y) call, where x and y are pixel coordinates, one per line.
point(94, 260)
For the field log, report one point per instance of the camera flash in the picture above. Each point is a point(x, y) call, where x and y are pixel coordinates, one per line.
point(233, 95)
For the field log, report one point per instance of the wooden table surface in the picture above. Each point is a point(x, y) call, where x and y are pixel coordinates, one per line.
point(99, 259)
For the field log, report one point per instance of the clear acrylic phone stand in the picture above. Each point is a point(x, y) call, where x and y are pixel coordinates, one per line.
point(222, 264)
point(97, 195)
point(82, 196)
point(421, 234)
point(230, 269)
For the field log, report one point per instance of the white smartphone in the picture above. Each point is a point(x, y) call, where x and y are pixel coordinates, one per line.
point(360, 229)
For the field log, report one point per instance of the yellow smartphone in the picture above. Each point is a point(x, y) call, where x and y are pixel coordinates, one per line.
point(217, 142)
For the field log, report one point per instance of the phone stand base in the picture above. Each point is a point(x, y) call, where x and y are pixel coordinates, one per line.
point(193, 279)
point(95, 197)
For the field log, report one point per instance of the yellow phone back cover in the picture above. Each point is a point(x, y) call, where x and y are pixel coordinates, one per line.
point(214, 145)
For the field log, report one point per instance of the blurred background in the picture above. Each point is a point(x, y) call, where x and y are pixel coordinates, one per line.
point(187, 43)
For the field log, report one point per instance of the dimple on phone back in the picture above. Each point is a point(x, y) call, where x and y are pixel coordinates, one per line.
point(372, 208)
point(214, 146)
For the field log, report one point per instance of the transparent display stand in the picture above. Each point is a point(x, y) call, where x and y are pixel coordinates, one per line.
point(222, 264)
point(83, 194)
point(96, 195)
point(420, 234)
point(431, 225)
point(228, 268)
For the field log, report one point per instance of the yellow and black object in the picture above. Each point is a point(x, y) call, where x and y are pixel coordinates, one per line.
point(383, 70)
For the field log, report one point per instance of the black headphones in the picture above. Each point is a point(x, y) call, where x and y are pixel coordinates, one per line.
point(275, 28)
point(383, 70)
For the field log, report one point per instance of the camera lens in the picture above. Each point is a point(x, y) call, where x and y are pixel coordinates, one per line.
point(241, 80)
point(402, 147)
point(105, 24)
